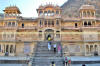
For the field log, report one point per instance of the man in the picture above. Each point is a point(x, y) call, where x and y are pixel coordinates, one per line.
point(54, 48)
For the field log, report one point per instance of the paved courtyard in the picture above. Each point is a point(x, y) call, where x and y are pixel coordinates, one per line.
point(13, 65)
point(86, 65)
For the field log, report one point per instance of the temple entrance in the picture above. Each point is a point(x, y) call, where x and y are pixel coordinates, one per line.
point(49, 33)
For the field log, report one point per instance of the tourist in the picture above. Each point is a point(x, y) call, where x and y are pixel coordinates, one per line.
point(54, 48)
point(52, 63)
point(66, 61)
point(49, 38)
point(59, 49)
point(49, 46)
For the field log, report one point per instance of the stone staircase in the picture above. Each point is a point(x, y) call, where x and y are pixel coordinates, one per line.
point(44, 57)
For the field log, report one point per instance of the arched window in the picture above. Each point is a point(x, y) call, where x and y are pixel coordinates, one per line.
point(7, 47)
point(88, 13)
point(76, 25)
point(45, 23)
point(89, 23)
point(49, 13)
point(93, 15)
point(53, 23)
point(40, 12)
point(85, 24)
point(57, 12)
point(45, 13)
point(52, 13)
point(57, 22)
point(49, 23)
point(84, 14)
point(0, 49)
point(13, 23)
point(9, 23)
point(57, 34)
point(11, 49)
point(40, 34)
point(22, 25)
point(40, 23)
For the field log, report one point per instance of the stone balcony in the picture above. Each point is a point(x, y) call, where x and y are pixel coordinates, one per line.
point(70, 27)
point(28, 27)
point(8, 27)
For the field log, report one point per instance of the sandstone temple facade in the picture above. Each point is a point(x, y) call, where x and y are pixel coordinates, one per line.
point(78, 36)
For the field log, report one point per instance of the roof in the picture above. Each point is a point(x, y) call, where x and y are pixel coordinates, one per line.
point(49, 5)
point(87, 7)
point(12, 8)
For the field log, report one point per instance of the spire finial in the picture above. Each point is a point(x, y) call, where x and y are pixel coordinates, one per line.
point(88, 2)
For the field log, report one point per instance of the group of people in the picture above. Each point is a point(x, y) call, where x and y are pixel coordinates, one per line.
point(67, 61)
point(56, 47)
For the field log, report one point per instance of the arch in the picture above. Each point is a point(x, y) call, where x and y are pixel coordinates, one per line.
point(40, 34)
point(57, 22)
point(45, 13)
point(7, 47)
point(84, 13)
point(95, 46)
point(89, 23)
point(87, 48)
point(57, 34)
point(91, 48)
point(22, 25)
point(88, 13)
point(49, 33)
point(85, 23)
point(11, 49)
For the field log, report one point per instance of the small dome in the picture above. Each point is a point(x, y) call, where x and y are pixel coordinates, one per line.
point(87, 7)
point(12, 8)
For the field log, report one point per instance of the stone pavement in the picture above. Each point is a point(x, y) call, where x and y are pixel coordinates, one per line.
point(86, 65)
point(85, 58)
point(13, 65)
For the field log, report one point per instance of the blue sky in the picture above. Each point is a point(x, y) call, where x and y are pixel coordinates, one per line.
point(28, 7)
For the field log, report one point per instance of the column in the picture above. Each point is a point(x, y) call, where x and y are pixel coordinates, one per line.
point(89, 48)
point(47, 23)
point(91, 24)
point(86, 14)
point(5, 48)
point(95, 23)
point(82, 14)
point(90, 13)
point(93, 48)
point(94, 14)
point(54, 34)
point(83, 24)
point(9, 49)
point(85, 49)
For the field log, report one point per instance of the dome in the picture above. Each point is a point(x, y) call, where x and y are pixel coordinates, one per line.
point(91, 7)
point(12, 8)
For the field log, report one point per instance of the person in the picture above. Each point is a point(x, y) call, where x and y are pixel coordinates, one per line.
point(52, 63)
point(54, 48)
point(83, 65)
point(66, 61)
point(49, 46)
point(59, 49)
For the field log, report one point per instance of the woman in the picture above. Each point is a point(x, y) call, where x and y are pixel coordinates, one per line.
point(59, 49)
point(49, 46)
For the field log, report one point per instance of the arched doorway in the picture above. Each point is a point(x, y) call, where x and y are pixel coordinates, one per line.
point(49, 33)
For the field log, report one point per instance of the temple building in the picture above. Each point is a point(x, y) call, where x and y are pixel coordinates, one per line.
point(79, 36)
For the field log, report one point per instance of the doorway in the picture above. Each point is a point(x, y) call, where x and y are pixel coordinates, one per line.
point(49, 33)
